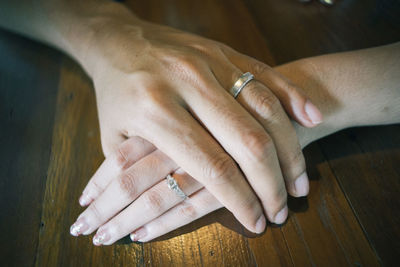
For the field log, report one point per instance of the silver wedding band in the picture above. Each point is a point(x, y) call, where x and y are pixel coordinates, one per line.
point(173, 185)
point(243, 80)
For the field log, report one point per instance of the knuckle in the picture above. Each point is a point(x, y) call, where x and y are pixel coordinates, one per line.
point(189, 68)
point(289, 87)
point(292, 167)
point(153, 99)
point(209, 48)
point(96, 212)
point(152, 93)
point(259, 68)
point(220, 170)
point(153, 202)
point(296, 158)
point(251, 206)
point(187, 210)
point(122, 156)
point(258, 146)
point(267, 105)
point(277, 200)
point(127, 184)
point(201, 47)
point(206, 202)
point(125, 152)
point(183, 63)
point(94, 188)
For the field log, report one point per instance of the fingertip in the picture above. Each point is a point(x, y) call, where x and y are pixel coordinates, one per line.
point(79, 227)
point(301, 185)
point(85, 200)
point(313, 113)
point(260, 224)
point(139, 235)
point(297, 107)
point(281, 216)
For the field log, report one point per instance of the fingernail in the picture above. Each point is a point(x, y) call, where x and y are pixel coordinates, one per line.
point(260, 224)
point(281, 216)
point(84, 200)
point(301, 185)
point(313, 112)
point(100, 238)
point(139, 234)
point(79, 227)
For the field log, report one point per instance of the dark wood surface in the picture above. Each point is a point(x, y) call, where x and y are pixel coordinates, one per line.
point(50, 146)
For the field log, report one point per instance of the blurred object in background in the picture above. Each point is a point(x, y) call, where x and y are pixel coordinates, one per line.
point(325, 2)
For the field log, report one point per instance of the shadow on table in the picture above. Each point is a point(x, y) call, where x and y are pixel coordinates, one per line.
point(226, 218)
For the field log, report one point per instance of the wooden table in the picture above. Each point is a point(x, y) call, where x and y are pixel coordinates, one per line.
point(50, 147)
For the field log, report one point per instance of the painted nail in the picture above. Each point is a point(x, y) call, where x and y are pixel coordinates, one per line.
point(313, 112)
point(281, 216)
point(84, 200)
point(260, 224)
point(301, 185)
point(139, 234)
point(100, 238)
point(79, 227)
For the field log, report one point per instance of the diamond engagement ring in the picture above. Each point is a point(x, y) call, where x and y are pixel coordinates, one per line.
point(173, 185)
point(243, 80)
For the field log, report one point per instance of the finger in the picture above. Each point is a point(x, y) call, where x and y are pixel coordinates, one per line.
point(199, 204)
point(127, 153)
point(195, 151)
point(292, 98)
point(110, 141)
point(123, 190)
point(247, 142)
point(147, 207)
point(265, 107)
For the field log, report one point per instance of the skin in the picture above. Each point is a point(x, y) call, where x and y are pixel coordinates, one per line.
point(169, 88)
point(368, 96)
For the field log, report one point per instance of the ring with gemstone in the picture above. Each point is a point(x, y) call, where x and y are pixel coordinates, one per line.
point(173, 185)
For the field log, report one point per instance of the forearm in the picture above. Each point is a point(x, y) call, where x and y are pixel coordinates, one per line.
point(67, 25)
point(351, 89)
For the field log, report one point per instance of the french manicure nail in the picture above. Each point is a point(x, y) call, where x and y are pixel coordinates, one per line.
point(79, 227)
point(281, 216)
point(313, 112)
point(301, 185)
point(100, 238)
point(260, 224)
point(84, 200)
point(139, 234)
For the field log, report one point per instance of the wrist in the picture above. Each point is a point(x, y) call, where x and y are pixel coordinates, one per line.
point(317, 86)
point(107, 39)
point(355, 88)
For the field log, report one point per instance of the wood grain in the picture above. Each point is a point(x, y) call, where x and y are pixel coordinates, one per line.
point(28, 89)
point(350, 218)
point(367, 168)
point(76, 154)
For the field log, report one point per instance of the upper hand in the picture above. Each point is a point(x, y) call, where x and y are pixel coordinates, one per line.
point(170, 88)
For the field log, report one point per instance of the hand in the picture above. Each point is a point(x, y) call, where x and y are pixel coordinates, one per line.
point(344, 105)
point(170, 89)
point(156, 210)
point(152, 195)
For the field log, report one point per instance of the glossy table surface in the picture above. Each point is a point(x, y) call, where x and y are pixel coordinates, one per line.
point(50, 146)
